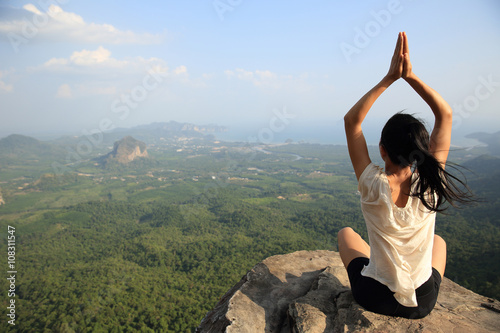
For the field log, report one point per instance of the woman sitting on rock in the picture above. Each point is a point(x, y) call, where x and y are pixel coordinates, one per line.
point(400, 272)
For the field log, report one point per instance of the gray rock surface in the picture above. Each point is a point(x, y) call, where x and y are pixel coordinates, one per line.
point(308, 291)
point(125, 151)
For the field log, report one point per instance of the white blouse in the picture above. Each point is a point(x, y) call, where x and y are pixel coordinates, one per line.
point(401, 239)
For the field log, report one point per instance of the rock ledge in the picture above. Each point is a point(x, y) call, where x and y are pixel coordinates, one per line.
point(308, 291)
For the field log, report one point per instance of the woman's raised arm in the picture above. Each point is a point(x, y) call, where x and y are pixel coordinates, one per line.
point(441, 134)
point(353, 119)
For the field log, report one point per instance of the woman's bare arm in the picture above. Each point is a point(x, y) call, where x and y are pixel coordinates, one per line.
point(441, 134)
point(353, 119)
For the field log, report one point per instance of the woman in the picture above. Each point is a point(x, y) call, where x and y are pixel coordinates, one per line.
point(400, 272)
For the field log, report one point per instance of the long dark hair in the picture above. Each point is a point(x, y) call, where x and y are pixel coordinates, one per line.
point(407, 143)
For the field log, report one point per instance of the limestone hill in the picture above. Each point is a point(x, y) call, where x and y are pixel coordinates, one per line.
point(125, 151)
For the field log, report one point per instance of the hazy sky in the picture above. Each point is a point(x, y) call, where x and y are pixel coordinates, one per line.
point(74, 66)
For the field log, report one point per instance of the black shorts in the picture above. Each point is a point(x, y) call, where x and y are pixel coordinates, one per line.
point(376, 297)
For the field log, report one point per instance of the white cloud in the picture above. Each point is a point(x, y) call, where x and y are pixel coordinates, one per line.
point(266, 75)
point(99, 62)
point(260, 78)
point(241, 74)
point(96, 89)
point(180, 70)
point(306, 85)
point(97, 72)
point(4, 87)
point(64, 91)
point(56, 62)
point(101, 56)
point(31, 8)
point(86, 57)
point(56, 24)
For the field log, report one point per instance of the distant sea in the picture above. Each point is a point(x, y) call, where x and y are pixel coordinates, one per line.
point(322, 133)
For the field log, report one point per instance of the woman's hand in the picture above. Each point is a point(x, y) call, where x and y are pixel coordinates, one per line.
point(396, 69)
point(407, 68)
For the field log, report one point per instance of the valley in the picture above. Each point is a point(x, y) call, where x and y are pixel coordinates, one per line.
point(152, 244)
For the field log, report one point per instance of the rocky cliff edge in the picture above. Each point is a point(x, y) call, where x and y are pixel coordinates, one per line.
point(308, 291)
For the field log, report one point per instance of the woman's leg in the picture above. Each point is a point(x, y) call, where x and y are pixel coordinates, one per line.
point(439, 254)
point(351, 246)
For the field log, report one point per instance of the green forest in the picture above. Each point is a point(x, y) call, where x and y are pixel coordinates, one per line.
point(152, 246)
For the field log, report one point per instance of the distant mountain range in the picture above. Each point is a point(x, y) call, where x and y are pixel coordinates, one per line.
point(17, 149)
point(150, 134)
point(154, 132)
point(175, 127)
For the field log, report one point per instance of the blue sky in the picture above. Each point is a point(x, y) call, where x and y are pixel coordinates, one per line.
point(275, 68)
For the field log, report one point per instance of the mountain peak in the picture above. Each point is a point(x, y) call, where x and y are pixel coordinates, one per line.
point(20, 148)
point(18, 141)
point(126, 150)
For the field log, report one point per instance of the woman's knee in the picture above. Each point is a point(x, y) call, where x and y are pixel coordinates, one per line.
point(440, 240)
point(439, 254)
point(348, 237)
point(439, 246)
point(345, 232)
point(351, 245)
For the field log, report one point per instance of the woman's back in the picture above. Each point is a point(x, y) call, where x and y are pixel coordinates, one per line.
point(399, 190)
point(400, 236)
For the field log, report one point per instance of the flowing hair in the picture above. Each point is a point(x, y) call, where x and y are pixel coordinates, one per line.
point(407, 143)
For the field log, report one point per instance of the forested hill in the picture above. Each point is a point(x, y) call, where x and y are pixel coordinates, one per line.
point(482, 166)
point(16, 149)
point(153, 247)
point(492, 140)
